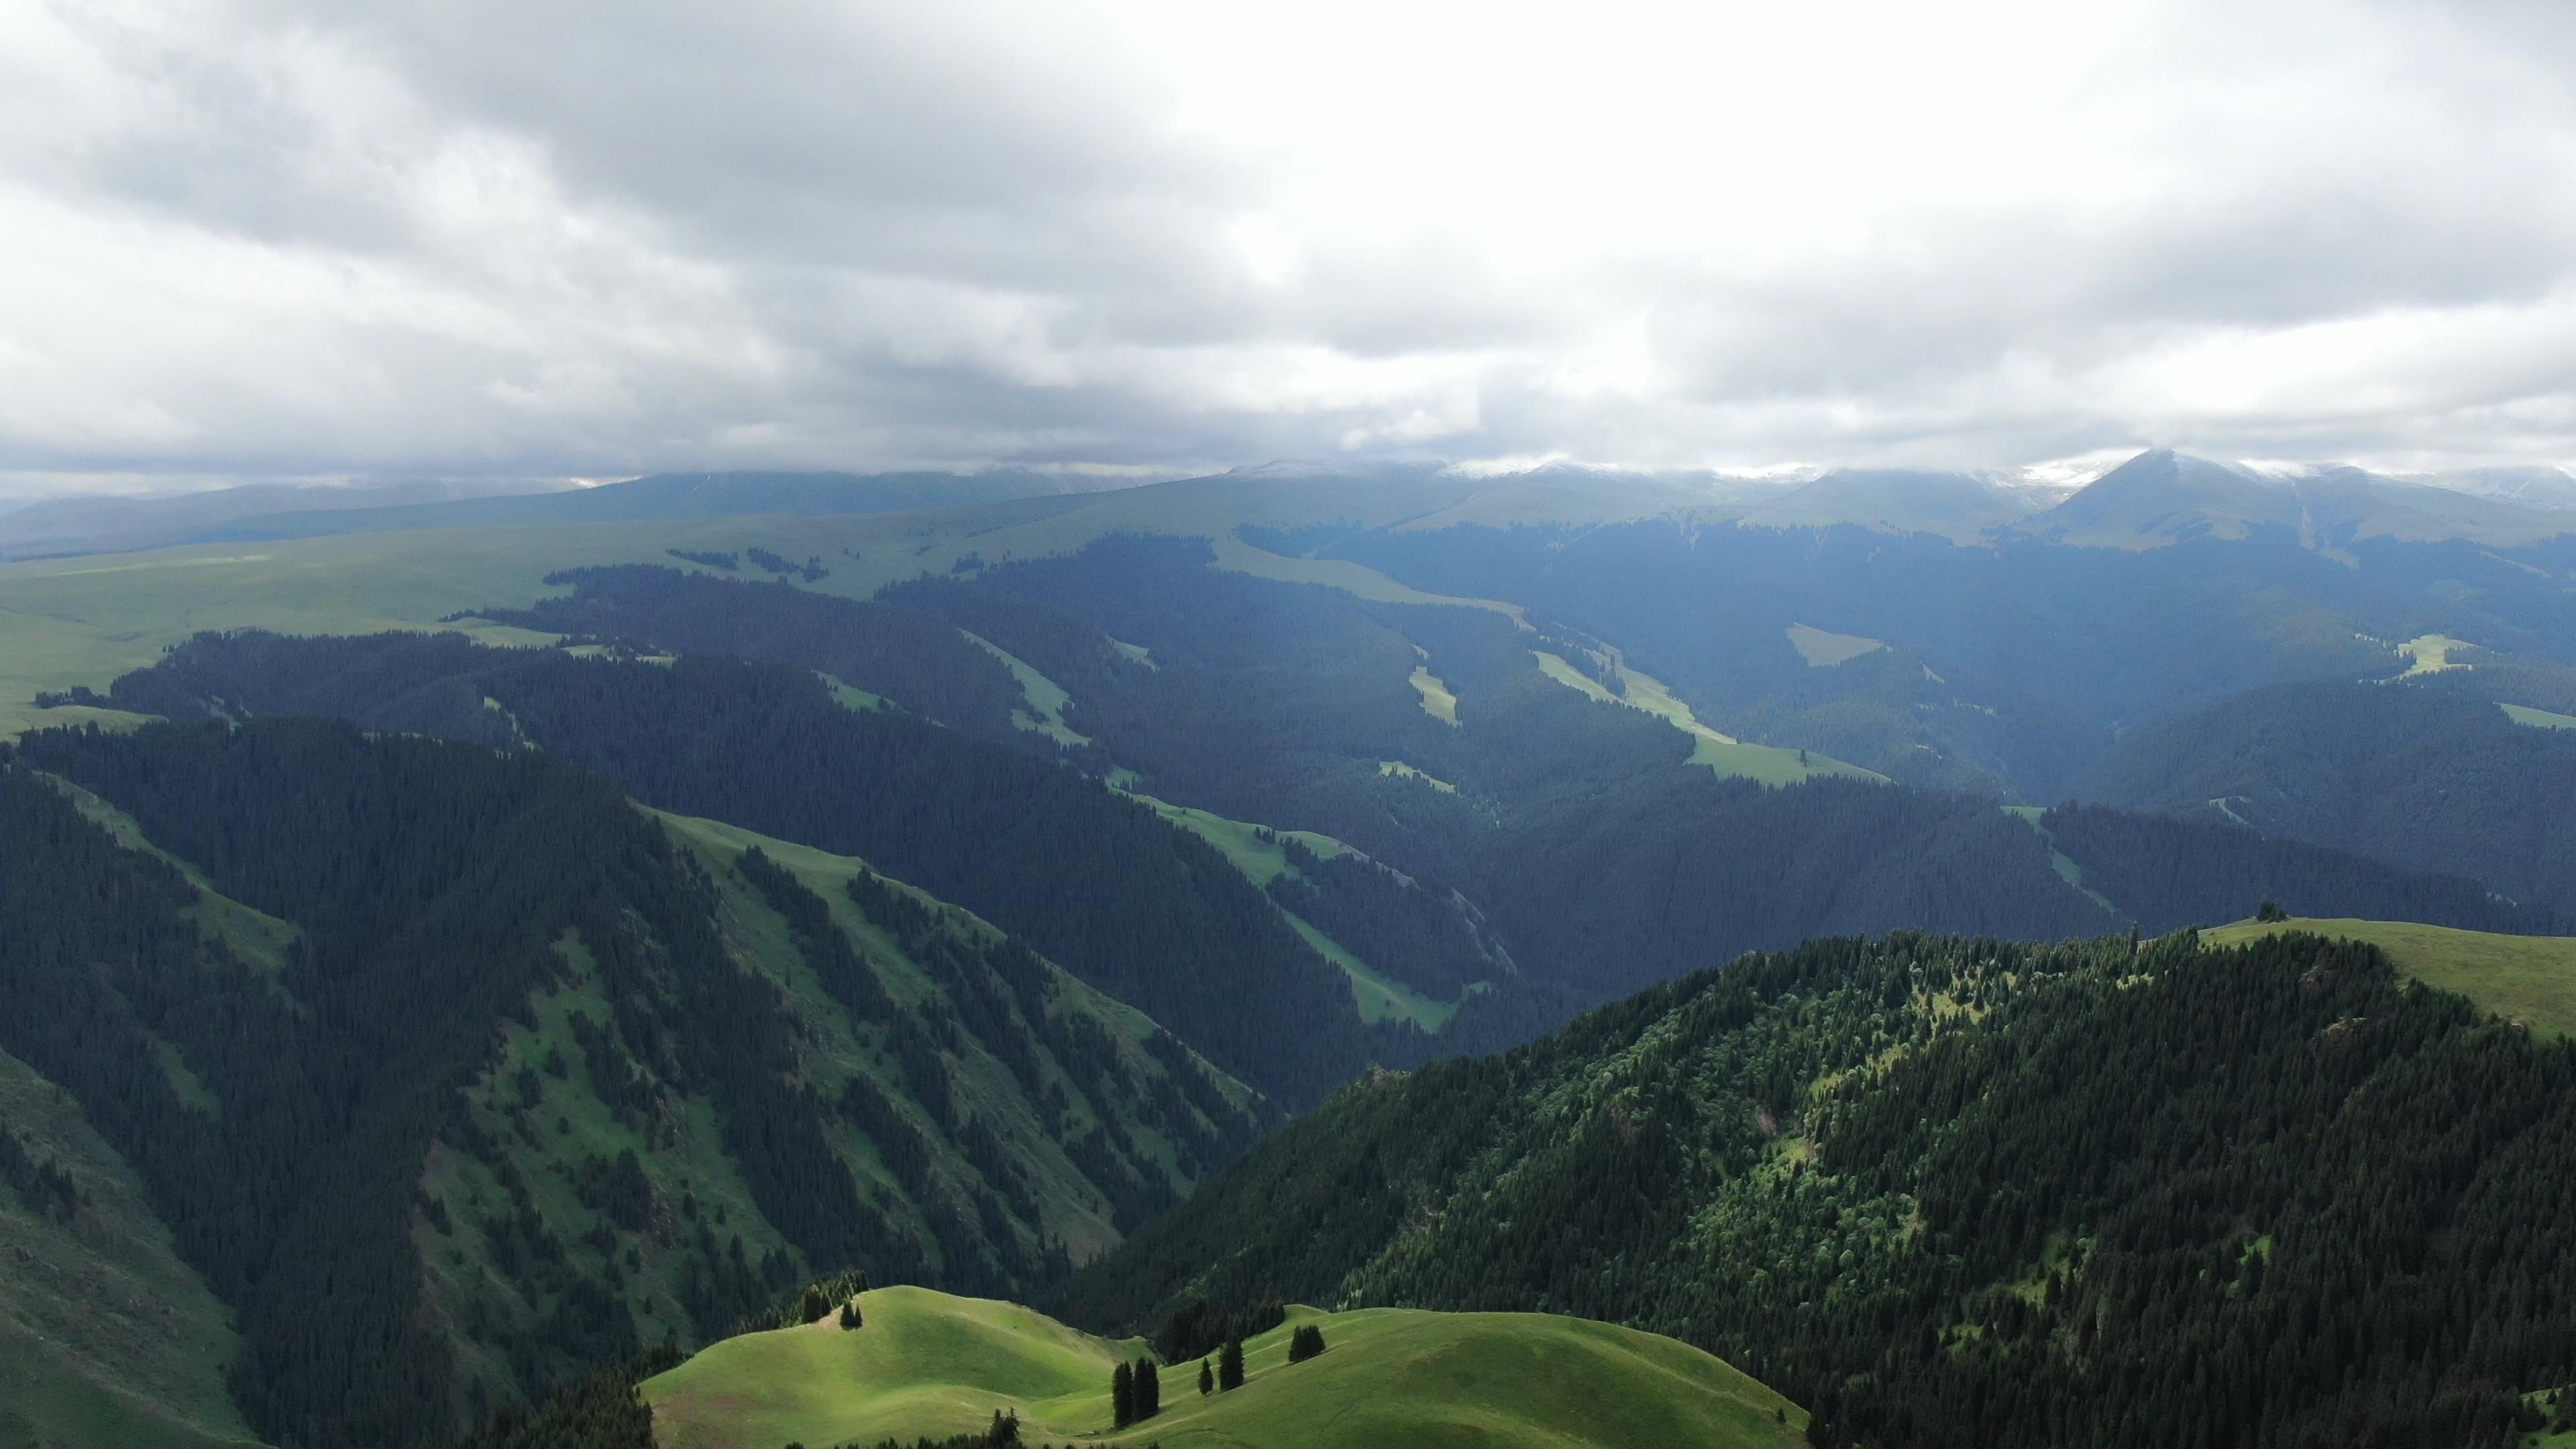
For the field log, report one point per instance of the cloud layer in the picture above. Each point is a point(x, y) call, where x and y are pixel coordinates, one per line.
point(264, 239)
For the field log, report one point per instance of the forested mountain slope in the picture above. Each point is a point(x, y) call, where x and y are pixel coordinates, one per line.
point(452, 1072)
point(2430, 778)
point(1533, 853)
point(2005, 668)
point(1955, 1192)
point(1149, 914)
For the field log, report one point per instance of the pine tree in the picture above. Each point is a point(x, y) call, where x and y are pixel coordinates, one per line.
point(1305, 1342)
point(1207, 1378)
point(1122, 1396)
point(1229, 1365)
point(850, 1314)
point(1149, 1389)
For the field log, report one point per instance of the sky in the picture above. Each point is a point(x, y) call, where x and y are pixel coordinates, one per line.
point(251, 240)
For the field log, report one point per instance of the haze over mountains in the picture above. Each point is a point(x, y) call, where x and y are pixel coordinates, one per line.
point(757, 878)
point(2155, 498)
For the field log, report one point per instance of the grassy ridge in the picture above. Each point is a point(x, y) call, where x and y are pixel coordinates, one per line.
point(928, 1363)
point(548, 1140)
point(1724, 754)
point(2526, 978)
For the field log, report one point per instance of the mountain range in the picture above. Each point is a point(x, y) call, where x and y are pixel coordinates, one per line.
point(459, 959)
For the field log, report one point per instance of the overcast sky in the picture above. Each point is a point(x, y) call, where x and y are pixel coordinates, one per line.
point(244, 240)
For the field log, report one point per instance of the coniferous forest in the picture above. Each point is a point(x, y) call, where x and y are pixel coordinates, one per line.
point(1953, 1191)
point(493, 1027)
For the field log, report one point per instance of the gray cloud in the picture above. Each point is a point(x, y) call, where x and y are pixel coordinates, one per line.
point(300, 239)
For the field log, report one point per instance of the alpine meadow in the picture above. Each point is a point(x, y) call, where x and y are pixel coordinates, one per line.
point(1139, 726)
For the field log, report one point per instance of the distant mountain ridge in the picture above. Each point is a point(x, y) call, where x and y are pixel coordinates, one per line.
point(2156, 498)
point(280, 511)
point(89, 523)
point(2162, 497)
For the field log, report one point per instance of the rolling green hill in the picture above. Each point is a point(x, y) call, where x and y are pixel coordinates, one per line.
point(2530, 979)
point(926, 1363)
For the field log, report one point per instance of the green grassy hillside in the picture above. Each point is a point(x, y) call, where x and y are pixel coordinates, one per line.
point(1063, 1166)
point(928, 1363)
point(105, 1336)
point(2525, 978)
point(1725, 755)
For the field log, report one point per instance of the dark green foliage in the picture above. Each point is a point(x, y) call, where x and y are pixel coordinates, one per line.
point(2270, 910)
point(850, 1315)
point(918, 661)
point(729, 562)
point(599, 1410)
point(2430, 777)
point(1138, 912)
point(43, 1186)
point(1122, 1395)
point(2167, 873)
point(1207, 1379)
point(431, 884)
point(811, 570)
point(1148, 1390)
point(1424, 940)
point(1305, 1342)
point(1194, 1328)
point(1229, 1365)
point(1952, 1192)
point(808, 1304)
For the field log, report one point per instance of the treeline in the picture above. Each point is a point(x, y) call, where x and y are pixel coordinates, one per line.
point(1143, 911)
point(2167, 873)
point(2426, 777)
point(1957, 1192)
point(1426, 941)
point(918, 661)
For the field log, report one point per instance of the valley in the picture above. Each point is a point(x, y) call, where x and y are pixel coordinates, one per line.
point(1490, 911)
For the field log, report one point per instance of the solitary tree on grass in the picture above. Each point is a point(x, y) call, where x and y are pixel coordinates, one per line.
point(1229, 1365)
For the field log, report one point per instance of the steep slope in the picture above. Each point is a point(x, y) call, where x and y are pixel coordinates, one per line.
point(1143, 911)
point(105, 1336)
point(2426, 778)
point(532, 1077)
point(929, 1365)
point(2162, 497)
point(1951, 1192)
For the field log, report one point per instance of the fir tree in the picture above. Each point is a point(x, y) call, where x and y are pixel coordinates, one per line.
point(1149, 1390)
point(1207, 1378)
point(1122, 1396)
point(1229, 1365)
